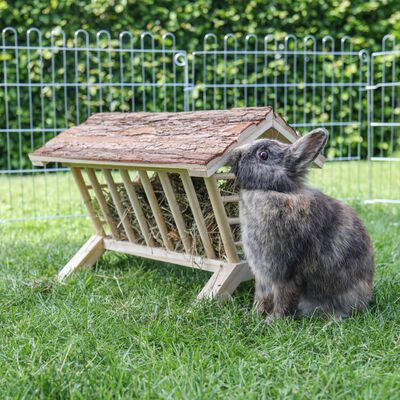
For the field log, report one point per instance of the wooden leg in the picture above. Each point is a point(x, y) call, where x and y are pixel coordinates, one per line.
point(86, 256)
point(224, 281)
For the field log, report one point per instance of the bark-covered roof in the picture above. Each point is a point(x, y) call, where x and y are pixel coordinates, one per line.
point(180, 138)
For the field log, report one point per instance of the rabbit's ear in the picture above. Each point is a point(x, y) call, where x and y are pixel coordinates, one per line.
point(307, 148)
point(236, 155)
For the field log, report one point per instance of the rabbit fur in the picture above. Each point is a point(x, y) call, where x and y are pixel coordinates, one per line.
point(308, 251)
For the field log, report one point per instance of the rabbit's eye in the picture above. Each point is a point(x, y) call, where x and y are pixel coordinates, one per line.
point(263, 155)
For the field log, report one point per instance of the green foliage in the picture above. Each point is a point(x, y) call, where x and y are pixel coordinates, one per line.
point(368, 21)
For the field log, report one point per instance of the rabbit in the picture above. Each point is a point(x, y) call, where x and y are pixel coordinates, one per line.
point(307, 251)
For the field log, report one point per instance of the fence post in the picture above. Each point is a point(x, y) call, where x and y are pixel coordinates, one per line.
point(180, 60)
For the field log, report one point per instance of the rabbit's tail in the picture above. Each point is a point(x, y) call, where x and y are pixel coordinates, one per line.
point(340, 305)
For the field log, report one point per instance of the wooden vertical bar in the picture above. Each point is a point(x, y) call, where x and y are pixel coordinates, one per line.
point(102, 202)
point(197, 214)
point(122, 212)
point(155, 208)
point(137, 208)
point(76, 173)
point(176, 212)
point(222, 219)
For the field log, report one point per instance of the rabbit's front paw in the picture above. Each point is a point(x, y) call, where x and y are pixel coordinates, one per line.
point(271, 318)
point(258, 306)
point(263, 305)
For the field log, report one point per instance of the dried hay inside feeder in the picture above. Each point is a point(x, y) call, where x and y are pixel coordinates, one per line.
point(227, 187)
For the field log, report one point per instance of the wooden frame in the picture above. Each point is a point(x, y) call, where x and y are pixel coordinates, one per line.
point(192, 145)
point(227, 272)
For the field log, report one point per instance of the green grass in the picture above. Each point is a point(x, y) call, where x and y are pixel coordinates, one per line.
point(129, 329)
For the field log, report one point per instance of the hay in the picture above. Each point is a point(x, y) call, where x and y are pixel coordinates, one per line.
point(227, 187)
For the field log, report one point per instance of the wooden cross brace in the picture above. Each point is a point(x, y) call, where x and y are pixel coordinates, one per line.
point(222, 283)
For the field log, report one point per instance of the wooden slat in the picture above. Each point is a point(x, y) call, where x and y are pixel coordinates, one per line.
point(230, 199)
point(155, 208)
point(234, 221)
point(222, 220)
point(122, 212)
point(225, 175)
point(160, 254)
point(76, 173)
point(102, 202)
point(197, 214)
point(176, 212)
point(137, 208)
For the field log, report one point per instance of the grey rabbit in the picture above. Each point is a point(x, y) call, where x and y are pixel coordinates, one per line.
point(308, 251)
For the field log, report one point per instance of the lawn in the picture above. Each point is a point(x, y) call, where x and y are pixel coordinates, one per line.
point(129, 328)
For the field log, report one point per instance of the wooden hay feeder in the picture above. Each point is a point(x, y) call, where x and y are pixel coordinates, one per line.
point(155, 185)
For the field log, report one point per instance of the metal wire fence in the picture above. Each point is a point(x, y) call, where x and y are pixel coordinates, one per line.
point(50, 82)
point(310, 86)
point(384, 121)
